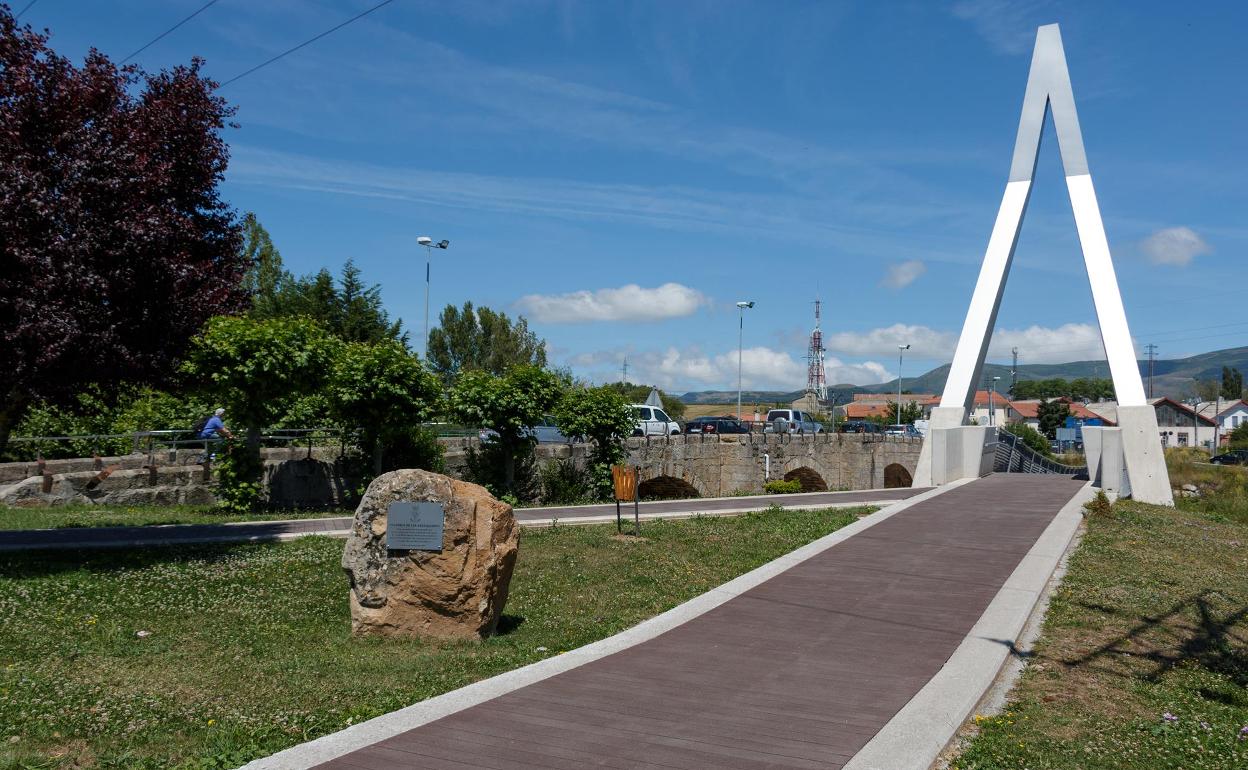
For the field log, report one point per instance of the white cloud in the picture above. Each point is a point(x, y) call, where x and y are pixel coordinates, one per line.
point(1009, 26)
point(1174, 246)
point(1036, 344)
point(902, 274)
point(924, 342)
point(627, 303)
point(691, 369)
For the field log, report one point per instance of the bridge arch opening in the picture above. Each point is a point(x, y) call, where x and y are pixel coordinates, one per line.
point(896, 476)
point(666, 488)
point(810, 479)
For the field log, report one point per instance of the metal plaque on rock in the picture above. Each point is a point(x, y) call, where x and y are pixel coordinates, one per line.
point(414, 526)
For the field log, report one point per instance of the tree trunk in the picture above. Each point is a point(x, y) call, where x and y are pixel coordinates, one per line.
point(253, 440)
point(11, 413)
point(509, 471)
point(377, 454)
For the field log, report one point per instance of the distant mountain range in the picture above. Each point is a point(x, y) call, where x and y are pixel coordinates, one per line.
point(1172, 377)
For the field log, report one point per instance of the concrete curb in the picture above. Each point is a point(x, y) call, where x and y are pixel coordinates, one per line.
point(917, 734)
point(356, 737)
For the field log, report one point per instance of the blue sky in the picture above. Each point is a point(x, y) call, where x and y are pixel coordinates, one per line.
point(622, 173)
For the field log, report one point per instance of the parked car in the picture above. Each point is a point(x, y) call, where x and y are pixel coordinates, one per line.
point(1233, 457)
point(909, 431)
point(859, 426)
point(716, 425)
point(791, 421)
point(653, 421)
point(546, 432)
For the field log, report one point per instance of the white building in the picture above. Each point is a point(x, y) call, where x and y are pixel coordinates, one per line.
point(1178, 423)
point(1229, 415)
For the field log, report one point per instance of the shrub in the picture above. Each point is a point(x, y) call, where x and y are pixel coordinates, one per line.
point(782, 487)
point(563, 482)
point(240, 478)
point(1098, 506)
point(1030, 436)
point(487, 465)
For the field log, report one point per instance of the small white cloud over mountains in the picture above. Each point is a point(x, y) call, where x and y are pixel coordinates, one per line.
point(902, 274)
point(627, 303)
point(1174, 246)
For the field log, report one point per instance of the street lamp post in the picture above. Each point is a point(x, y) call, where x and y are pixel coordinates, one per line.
point(992, 411)
point(741, 307)
point(429, 245)
point(901, 349)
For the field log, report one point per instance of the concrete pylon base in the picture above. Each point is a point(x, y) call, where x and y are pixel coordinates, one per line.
point(1145, 461)
point(942, 417)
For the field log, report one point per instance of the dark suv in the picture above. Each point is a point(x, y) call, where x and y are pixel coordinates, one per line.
point(716, 425)
point(1233, 457)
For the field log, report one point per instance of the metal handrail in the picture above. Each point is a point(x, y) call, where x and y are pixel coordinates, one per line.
point(1014, 456)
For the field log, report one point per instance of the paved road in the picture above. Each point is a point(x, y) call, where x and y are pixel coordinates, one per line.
point(798, 672)
point(256, 531)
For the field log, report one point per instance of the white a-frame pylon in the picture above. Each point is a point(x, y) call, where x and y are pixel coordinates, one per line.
point(1048, 88)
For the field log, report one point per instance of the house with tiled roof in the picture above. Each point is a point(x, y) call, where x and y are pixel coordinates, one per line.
point(1178, 423)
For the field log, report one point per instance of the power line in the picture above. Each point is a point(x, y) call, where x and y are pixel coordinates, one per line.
point(309, 41)
point(159, 37)
point(24, 10)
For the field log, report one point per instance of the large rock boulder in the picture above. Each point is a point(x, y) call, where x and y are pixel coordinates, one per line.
point(457, 593)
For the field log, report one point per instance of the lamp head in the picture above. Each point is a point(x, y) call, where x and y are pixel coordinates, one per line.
point(424, 240)
point(744, 305)
point(442, 244)
point(904, 347)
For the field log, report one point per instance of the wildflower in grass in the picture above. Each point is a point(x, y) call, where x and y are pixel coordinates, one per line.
point(1243, 732)
point(1168, 717)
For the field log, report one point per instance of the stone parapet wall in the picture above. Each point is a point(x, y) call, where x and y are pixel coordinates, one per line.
point(297, 477)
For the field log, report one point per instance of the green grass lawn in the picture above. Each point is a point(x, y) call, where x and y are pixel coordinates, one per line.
point(250, 651)
point(138, 516)
point(1143, 660)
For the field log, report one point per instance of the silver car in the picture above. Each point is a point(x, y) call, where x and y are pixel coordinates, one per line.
point(791, 421)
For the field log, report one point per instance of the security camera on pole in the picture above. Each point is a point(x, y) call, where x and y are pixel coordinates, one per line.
point(429, 245)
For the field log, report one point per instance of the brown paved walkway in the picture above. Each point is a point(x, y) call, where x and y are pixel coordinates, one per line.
point(799, 672)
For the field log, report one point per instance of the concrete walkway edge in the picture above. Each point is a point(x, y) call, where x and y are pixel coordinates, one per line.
point(356, 737)
point(914, 738)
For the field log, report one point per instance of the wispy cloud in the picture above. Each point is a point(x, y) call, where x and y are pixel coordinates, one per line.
point(902, 274)
point(627, 303)
point(1174, 246)
point(1009, 26)
point(686, 369)
point(809, 219)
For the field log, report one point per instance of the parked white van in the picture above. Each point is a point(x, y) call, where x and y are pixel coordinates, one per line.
point(653, 421)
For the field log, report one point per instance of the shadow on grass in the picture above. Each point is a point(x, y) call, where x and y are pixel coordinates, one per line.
point(1213, 642)
point(26, 565)
point(507, 624)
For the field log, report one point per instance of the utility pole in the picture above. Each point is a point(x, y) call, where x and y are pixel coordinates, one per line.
point(1151, 350)
point(624, 371)
point(1014, 371)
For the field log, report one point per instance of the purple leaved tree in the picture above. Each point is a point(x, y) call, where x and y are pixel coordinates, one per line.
point(115, 246)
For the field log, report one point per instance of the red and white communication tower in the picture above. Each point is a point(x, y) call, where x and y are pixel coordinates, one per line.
point(816, 380)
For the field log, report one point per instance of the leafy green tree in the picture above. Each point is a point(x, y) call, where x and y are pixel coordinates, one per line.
point(910, 411)
point(1030, 436)
point(349, 309)
point(257, 368)
point(1238, 438)
point(265, 275)
point(382, 391)
point(482, 340)
point(636, 394)
point(1052, 416)
point(1232, 383)
point(1207, 390)
point(601, 415)
point(508, 405)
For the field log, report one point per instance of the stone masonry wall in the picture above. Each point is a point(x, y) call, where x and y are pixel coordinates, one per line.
point(301, 478)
